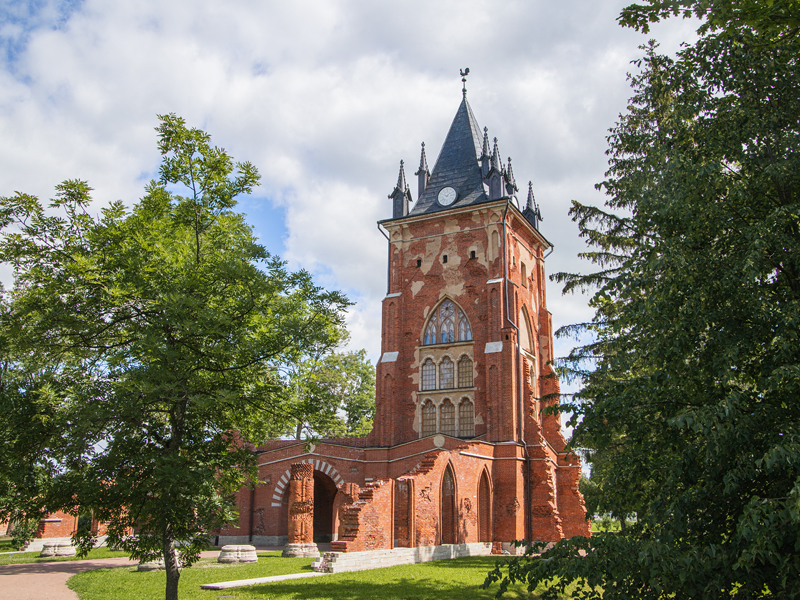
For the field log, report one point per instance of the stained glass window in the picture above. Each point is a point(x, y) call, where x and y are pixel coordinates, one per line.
point(428, 375)
point(448, 324)
point(465, 372)
point(466, 418)
point(428, 418)
point(447, 418)
point(446, 379)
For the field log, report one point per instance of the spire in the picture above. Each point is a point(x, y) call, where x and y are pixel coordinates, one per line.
point(532, 212)
point(401, 179)
point(511, 185)
point(422, 173)
point(401, 195)
point(486, 156)
point(496, 157)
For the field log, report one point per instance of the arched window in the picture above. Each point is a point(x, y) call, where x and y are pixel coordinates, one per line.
point(466, 418)
point(447, 418)
point(448, 324)
point(428, 375)
point(465, 372)
point(446, 378)
point(428, 418)
point(523, 274)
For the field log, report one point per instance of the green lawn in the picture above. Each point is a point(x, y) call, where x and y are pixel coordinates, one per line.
point(5, 544)
point(443, 580)
point(33, 557)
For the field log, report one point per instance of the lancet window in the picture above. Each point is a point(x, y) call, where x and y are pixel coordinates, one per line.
point(428, 418)
point(447, 418)
point(464, 372)
point(448, 324)
point(428, 375)
point(446, 378)
point(466, 418)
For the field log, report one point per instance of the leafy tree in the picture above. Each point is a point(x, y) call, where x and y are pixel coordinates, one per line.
point(157, 335)
point(334, 394)
point(690, 386)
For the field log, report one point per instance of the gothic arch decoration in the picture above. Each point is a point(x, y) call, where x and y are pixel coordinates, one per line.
point(319, 465)
point(448, 513)
point(447, 324)
point(484, 507)
point(525, 331)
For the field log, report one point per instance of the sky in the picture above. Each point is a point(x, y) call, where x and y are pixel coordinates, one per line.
point(325, 97)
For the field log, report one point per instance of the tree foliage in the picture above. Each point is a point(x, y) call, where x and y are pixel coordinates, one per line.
point(690, 387)
point(333, 395)
point(143, 350)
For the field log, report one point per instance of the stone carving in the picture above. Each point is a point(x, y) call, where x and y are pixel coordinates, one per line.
point(301, 512)
point(425, 494)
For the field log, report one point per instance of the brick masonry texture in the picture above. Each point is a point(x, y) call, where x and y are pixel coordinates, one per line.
point(509, 478)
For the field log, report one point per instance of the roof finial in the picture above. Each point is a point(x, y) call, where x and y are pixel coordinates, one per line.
point(496, 162)
point(401, 179)
point(485, 142)
point(464, 73)
point(512, 184)
point(423, 162)
point(531, 199)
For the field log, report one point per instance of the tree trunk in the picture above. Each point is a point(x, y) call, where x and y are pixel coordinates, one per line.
point(171, 564)
point(622, 524)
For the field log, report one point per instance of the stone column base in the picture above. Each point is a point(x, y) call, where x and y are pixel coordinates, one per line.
point(300, 550)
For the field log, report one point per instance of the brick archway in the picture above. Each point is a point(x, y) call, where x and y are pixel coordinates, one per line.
point(319, 465)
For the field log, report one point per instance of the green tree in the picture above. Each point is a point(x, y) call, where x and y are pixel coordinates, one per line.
point(690, 386)
point(332, 393)
point(160, 332)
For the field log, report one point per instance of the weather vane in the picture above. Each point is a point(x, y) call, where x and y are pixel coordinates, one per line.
point(464, 73)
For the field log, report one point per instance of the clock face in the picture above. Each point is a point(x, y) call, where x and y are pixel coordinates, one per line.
point(447, 196)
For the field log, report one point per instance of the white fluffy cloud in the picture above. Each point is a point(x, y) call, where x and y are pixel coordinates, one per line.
point(325, 97)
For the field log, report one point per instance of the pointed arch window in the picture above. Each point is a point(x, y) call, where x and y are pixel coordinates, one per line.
point(448, 324)
point(465, 372)
point(428, 418)
point(446, 378)
point(448, 418)
point(428, 375)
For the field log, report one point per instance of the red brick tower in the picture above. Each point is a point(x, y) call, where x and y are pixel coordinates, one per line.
point(467, 337)
point(461, 456)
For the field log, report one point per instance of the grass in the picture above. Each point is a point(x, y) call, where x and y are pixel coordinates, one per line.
point(5, 544)
point(443, 580)
point(33, 557)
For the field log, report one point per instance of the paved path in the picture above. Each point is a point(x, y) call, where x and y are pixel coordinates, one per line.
point(48, 581)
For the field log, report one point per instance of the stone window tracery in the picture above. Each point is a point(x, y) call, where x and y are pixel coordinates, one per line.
point(446, 379)
point(466, 418)
point(448, 324)
point(447, 418)
point(464, 372)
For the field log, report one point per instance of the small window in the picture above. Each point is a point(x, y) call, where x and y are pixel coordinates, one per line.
point(447, 418)
point(446, 379)
point(465, 372)
point(444, 258)
point(428, 375)
point(472, 254)
point(428, 418)
point(466, 418)
point(419, 262)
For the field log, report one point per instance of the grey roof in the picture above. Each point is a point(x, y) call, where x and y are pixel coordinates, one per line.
point(458, 166)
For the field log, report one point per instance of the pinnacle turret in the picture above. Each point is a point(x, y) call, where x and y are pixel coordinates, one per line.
point(532, 212)
point(401, 196)
point(496, 162)
point(511, 184)
point(422, 173)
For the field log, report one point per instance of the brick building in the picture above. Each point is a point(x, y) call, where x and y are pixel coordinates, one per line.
point(460, 451)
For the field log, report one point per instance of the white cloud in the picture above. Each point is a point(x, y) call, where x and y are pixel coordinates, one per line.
point(325, 97)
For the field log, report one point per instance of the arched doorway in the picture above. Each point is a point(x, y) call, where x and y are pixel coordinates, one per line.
point(324, 494)
point(448, 513)
point(484, 509)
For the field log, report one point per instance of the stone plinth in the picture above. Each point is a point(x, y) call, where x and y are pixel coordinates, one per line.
point(156, 565)
point(301, 550)
point(301, 512)
point(237, 554)
point(51, 549)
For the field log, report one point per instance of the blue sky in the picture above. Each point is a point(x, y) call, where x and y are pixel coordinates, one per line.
point(325, 98)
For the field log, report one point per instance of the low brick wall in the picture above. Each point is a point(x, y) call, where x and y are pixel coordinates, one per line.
point(340, 562)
